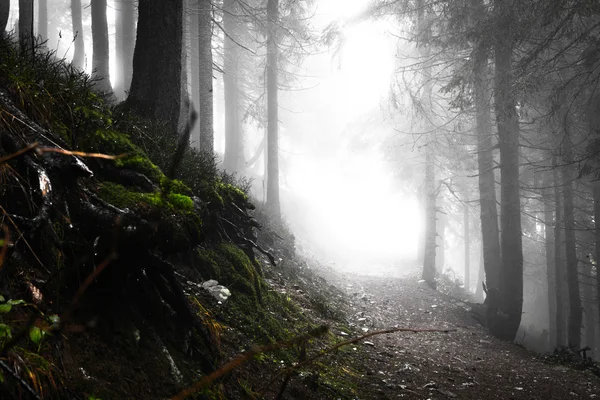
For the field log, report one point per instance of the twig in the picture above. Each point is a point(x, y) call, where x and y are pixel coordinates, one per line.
point(350, 341)
point(41, 150)
point(243, 358)
point(18, 153)
point(4, 245)
point(12, 373)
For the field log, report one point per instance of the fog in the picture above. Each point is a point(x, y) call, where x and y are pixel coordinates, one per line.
point(354, 132)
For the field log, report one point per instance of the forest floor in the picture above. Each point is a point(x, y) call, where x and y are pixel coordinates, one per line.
point(466, 363)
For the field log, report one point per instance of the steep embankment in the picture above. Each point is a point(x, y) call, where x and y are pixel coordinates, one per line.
point(118, 281)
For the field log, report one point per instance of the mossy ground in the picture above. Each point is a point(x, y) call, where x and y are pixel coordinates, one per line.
point(100, 355)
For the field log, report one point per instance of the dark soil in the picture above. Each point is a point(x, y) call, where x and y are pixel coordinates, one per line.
point(467, 363)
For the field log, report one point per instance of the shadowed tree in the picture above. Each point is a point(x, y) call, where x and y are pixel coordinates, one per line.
point(26, 25)
point(490, 235)
point(511, 246)
point(43, 19)
point(232, 87)
point(4, 13)
point(100, 57)
point(205, 76)
point(79, 48)
point(272, 110)
point(157, 66)
point(550, 261)
point(124, 44)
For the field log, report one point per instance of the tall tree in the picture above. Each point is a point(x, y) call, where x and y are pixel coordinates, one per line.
point(26, 40)
point(511, 281)
point(100, 56)
point(559, 266)
point(272, 109)
point(550, 261)
point(79, 48)
point(490, 232)
point(43, 19)
point(467, 244)
point(127, 42)
point(232, 88)
point(575, 314)
point(157, 66)
point(193, 45)
point(4, 13)
point(205, 76)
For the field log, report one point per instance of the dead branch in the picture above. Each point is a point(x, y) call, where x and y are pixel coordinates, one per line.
point(288, 371)
point(41, 150)
point(245, 357)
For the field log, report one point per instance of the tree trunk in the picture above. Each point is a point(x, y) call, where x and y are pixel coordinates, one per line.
point(490, 233)
point(184, 109)
point(596, 194)
point(43, 20)
point(429, 269)
point(157, 66)
point(575, 314)
point(588, 307)
point(232, 159)
point(511, 246)
point(560, 278)
point(272, 110)
point(480, 280)
point(4, 14)
point(100, 56)
point(205, 76)
point(128, 28)
point(195, 66)
point(79, 48)
point(26, 26)
point(467, 242)
point(550, 264)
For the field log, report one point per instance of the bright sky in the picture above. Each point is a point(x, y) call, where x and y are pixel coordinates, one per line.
point(353, 208)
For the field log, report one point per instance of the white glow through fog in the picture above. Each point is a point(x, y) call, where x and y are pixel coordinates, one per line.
point(344, 199)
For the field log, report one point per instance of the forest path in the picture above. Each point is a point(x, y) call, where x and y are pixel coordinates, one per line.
point(467, 363)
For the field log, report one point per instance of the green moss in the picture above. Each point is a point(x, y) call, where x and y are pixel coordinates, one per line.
point(120, 196)
point(231, 193)
point(168, 185)
point(180, 201)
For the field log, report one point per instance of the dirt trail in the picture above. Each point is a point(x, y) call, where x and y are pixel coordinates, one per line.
point(466, 364)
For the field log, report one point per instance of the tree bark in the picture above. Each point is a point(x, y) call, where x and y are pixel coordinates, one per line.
point(194, 65)
point(467, 243)
point(596, 194)
point(26, 26)
point(43, 20)
point(511, 246)
point(575, 313)
point(4, 14)
point(273, 110)
point(205, 76)
point(550, 263)
point(233, 157)
point(79, 48)
point(128, 28)
point(100, 56)
point(490, 233)
point(429, 267)
point(157, 66)
point(560, 278)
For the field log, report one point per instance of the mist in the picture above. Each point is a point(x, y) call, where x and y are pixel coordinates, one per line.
point(379, 149)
